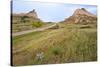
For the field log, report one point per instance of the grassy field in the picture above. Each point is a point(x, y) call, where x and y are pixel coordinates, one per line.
point(18, 27)
point(69, 43)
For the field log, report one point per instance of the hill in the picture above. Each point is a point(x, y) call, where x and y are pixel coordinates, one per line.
point(81, 16)
point(25, 21)
point(64, 45)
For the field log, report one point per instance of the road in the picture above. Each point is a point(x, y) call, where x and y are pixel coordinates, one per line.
point(34, 30)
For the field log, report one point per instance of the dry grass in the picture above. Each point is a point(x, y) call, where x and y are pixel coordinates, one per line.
point(63, 45)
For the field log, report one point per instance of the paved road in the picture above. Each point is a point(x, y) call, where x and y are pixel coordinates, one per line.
point(35, 30)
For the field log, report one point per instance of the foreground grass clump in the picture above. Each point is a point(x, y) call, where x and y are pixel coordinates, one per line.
point(68, 44)
point(57, 50)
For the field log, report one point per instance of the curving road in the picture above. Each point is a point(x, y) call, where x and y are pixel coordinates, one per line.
point(35, 30)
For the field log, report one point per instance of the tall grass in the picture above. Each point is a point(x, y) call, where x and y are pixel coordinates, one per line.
point(64, 45)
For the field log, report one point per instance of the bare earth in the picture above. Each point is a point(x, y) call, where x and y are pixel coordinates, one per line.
point(29, 31)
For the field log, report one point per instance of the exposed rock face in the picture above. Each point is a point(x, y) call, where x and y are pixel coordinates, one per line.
point(23, 21)
point(29, 17)
point(83, 11)
point(32, 14)
point(81, 16)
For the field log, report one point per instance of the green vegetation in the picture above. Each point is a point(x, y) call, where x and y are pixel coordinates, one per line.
point(23, 23)
point(24, 19)
point(56, 50)
point(37, 24)
point(69, 43)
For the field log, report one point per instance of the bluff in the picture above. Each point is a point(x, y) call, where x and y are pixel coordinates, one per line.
point(81, 16)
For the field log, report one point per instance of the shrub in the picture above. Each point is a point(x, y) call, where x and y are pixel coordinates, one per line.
point(37, 24)
point(57, 50)
point(23, 19)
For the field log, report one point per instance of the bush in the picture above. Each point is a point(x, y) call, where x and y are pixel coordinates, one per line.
point(57, 50)
point(37, 24)
point(23, 19)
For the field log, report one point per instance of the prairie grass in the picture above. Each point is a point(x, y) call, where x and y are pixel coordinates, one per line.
point(64, 45)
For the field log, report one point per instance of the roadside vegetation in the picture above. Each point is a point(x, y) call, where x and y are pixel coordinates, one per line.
point(37, 24)
point(23, 23)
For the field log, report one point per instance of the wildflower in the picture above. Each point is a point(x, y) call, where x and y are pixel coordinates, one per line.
point(40, 56)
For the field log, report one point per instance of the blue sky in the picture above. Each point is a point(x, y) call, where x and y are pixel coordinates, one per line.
point(50, 11)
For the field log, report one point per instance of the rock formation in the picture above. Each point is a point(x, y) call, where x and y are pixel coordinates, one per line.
point(24, 21)
point(81, 16)
point(32, 14)
point(29, 17)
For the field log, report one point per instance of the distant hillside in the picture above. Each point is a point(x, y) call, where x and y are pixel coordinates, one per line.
point(25, 21)
point(30, 16)
point(81, 16)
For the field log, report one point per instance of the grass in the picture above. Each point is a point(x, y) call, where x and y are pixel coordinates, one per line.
point(18, 27)
point(69, 43)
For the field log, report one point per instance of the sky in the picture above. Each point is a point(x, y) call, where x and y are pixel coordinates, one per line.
point(50, 12)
